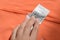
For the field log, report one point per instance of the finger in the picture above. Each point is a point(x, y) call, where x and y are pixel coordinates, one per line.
point(21, 28)
point(34, 31)
point(28, 26)
point(13, 36)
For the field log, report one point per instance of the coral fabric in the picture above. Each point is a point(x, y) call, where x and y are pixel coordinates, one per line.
point(13, 12)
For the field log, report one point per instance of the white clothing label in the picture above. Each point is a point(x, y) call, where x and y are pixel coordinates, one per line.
point(39, 12)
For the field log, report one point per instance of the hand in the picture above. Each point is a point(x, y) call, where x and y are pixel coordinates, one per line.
point(25, 30)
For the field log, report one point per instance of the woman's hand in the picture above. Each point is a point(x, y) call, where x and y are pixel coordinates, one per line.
point(27, 30)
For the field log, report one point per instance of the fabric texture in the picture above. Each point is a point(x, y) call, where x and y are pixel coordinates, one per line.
point(13, 12)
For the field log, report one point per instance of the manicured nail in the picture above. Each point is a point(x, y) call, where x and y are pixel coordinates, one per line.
point(37, 20)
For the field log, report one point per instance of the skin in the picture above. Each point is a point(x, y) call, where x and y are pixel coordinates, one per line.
point(24, 31)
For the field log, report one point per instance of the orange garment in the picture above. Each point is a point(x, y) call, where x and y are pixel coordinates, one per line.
point(13, 12)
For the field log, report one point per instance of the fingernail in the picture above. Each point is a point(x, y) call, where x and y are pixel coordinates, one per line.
point(37, 20)
point(33, 17)
point(27, 17)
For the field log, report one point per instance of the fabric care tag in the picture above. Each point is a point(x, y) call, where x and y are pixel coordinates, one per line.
point(39, 12)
